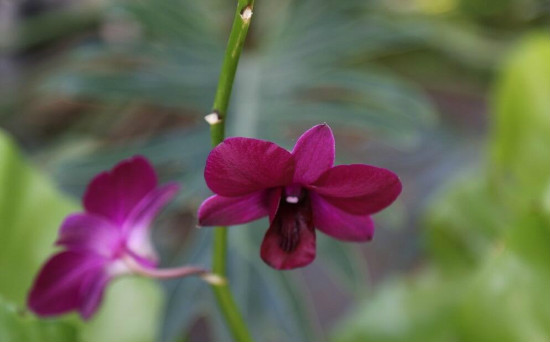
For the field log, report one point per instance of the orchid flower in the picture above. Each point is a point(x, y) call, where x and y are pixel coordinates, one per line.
point(109, 239)
point(300, 191)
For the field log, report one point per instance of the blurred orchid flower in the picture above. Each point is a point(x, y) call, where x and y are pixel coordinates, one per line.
point(299, 191)
point(110, 238)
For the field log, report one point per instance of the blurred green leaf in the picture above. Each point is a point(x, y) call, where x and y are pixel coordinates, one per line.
point(488, 231)
point(131, 312)
point(30, 213)
point(506, 301)
point(462, 223)
point(18, 327)
point(499, 301)
point(529, 238)
point(509, 199)
point(519, 145)
point(417, 309)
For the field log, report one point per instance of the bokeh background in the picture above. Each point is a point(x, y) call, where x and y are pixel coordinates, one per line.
point(453, 95)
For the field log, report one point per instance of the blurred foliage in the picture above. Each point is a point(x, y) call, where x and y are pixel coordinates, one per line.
point(489, 234)
point(30, 213)
point(105, 80)
point(131, 311)
point(14, 326)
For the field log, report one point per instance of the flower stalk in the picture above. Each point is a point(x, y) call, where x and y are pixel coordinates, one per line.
point(177, 272)
point(216, 119)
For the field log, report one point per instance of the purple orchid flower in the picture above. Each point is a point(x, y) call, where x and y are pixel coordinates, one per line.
point(299, 191)
point(110, 238)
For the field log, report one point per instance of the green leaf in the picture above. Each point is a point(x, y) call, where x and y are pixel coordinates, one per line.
point(490, 229)
point(462, 222)
point(506, 301)
point(529, 238)
point(18, 327)
point(30, 213)
point(509, 198)
point(418, 309)
point(520, 134)
point(130, 312)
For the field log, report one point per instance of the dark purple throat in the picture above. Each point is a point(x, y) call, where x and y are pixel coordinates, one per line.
point(293, 216)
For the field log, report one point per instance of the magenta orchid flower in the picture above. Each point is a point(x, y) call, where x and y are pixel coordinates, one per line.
point(300, 191)
point(110, 238)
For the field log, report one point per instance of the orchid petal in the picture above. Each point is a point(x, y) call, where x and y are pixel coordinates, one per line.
point(145, 211)
point(89, 232)
point(338, 223)
point(240, 166)
point(290, 240)
point(113, 194)
point(274, 199)
point(91, 293)
point(227, 211)
point(313, 154)
point(357, 180)
point(59, 285)
point(274, 256)
point(136, 226)
point(365, 205)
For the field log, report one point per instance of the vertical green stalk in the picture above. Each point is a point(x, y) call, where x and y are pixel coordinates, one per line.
point(241, 23)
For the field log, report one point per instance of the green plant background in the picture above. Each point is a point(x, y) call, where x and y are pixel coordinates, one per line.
point(451, 94)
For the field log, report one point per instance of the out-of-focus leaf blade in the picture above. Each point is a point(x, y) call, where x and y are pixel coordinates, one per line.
point(30, 213)
point(18, 327)
point(130, 312)
point(490, 229)
point(504, 301)
point(463, 223)
point(519, 148)
point(405, 310)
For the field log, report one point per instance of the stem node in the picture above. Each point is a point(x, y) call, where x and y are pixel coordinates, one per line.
point(246, 14)
point(213, 118)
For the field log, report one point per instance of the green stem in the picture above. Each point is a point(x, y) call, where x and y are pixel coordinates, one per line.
point(241, 23)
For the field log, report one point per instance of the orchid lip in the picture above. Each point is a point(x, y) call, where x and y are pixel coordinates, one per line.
point(290, 239)
point(293, 215)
